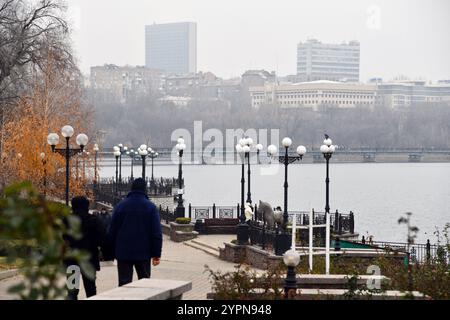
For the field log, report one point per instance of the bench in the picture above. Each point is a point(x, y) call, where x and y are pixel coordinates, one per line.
point(147, 289)
point(217, 226)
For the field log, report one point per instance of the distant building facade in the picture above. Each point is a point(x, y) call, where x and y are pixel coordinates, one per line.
point(315, 93)
point(119, 83)
point(407, 93)
point(171, 47)
point(334, 62)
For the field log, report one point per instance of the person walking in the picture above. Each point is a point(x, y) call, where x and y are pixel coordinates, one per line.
point(135, 234)
point(92, 237)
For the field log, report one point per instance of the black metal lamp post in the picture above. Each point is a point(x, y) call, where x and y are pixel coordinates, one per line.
point(181, 146)
point(122, 150)
point(327, 150)
point(96, 149)
point(143, 153)
point(246, 144)
point(44, 166)
point(82, 140)
point(85, 154)
point(117, 156)
point(291, 259)
point(243, 227)
point(131, 154)
point(153, 155)
point(259, 148)
point(283, 238)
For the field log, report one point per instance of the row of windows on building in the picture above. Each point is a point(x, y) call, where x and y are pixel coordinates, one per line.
point(317, 102)
point(326, 95)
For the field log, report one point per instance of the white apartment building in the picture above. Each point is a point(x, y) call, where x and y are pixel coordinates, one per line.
point(322, 61)
point(407, 93)
point(315, 93)
point(171, 47)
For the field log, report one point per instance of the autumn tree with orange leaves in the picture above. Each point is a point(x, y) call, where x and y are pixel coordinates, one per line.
point(56, 99)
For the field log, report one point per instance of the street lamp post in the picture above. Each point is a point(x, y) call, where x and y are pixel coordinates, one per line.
point(131, 154)
point(44, 165)
point(143, 153)
point(246, 144)
point(243, 227)
point(282, 241)
point(96, 149)
point(82, 140)
point(327, 150)
point(181, 146)
point(153, 155)
point(117, 156)
point(291, 259)
point(259, 148)
point(122, 150)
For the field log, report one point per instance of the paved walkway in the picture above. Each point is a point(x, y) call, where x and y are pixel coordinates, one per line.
point(179, 262)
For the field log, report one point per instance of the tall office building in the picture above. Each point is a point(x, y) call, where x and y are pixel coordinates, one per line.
point(334, 62)
point(171, 47)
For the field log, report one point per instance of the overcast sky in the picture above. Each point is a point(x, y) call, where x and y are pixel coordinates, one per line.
point(398, 37)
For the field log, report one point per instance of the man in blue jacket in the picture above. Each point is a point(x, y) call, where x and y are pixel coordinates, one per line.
point(135, 234)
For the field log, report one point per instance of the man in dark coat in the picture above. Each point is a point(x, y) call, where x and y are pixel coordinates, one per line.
point(92, 237)
point(135, 234)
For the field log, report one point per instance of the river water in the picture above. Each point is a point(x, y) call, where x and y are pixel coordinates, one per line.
point(378, 193)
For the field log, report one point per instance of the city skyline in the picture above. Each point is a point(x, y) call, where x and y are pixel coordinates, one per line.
point(402, 38)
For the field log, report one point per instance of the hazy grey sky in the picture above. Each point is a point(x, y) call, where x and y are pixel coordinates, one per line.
point(398, 37)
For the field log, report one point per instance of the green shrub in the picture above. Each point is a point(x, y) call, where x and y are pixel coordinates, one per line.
point(32, 231)
point(183, 220)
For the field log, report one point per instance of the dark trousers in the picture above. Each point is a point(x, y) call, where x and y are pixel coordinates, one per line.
point(125, 270)
point(89, 287)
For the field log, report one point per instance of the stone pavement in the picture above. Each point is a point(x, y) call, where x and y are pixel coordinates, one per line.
point(179, 262)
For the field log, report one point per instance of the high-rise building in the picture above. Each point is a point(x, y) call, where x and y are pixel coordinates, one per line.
point(171, 47)
point(334, 62)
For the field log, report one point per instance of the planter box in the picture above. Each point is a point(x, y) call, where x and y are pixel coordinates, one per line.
point(182, 232)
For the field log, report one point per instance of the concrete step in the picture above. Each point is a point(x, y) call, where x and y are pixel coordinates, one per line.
point(207, 245)
point(203, 248)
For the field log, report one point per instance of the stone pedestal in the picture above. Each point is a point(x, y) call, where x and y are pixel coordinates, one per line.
point(182, 232)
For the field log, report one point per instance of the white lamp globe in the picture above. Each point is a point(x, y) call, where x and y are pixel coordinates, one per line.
point(125, 148)
point(324, 149)
point(156, 154)
point(180, 141)
point(143, 147)
point(328, 142)
point(239, 148)
point(332, 149)
point(287, 142)
point(82, 139)
point(128, 153)
point(242, 142)
point(272, 149)
point(116, 153)
point(67, 131)
point(96, 147)
point(53, 139)
point(143, 152)
point(301, 150)
point(182, 146)
point(116, 148)
point(246, 149)
point(249, 141)
point(259, 147)
point(291, 258)
point(120, 145)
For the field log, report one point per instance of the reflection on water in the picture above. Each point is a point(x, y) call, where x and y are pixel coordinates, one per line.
point(378, 193)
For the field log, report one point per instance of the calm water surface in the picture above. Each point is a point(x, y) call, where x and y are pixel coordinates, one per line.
point(378, 194)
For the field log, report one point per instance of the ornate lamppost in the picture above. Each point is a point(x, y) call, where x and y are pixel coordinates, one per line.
point(131, 154)
point(117, 156)
point(327, 150)
point(143, 153)
point(44, 166)
point(181, 146)
point(291, 259)
point(246, 144)
point(82, 140)
point(259, 148)
point(96, 149)
point(282, 239)
point(243, 227)
point(153, 155)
